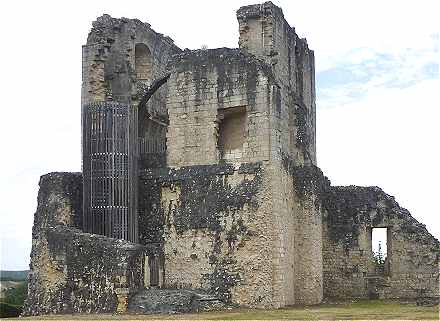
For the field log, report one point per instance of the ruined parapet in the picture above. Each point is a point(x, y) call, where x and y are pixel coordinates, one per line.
point(411, 268)
point(121, 59)
point(59, 202)
point(220, 103)
point(110, 155)
point(72, 271)
point(266, 34)
point(121, 54)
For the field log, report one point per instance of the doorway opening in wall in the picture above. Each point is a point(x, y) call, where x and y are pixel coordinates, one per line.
point(231, 133)
point(381, 250)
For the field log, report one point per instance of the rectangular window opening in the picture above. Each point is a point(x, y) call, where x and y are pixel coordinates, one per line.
point(231, 133)
point(381, 250)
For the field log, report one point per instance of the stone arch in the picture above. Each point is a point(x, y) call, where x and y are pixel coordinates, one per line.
point(143, 63)
point(152, 126)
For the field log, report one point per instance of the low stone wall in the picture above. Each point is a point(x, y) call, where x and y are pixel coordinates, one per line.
point(72, 271)
point(412, 266)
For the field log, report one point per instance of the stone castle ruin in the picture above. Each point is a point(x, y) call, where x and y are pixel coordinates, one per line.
point(200, 187)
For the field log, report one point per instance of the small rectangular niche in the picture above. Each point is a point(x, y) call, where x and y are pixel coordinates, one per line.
point(231, 133)
point(381, 250)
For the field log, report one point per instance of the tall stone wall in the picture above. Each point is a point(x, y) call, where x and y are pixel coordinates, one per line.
point(304, 187)
point(266, 34)
point(284, 223)
point(115, 51)
point(72, 271)
point(412, 265)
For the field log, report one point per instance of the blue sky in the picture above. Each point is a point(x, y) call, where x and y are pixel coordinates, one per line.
point(363, 69)
point(377, 72)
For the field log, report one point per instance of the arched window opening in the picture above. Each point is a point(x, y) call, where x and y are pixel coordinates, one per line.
point(143, 63)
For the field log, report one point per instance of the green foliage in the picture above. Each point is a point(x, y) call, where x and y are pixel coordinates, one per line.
point(17, 295)
point(379, 260)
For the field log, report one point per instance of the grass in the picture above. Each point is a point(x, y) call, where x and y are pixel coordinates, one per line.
point(360, 310)
point(13, 294)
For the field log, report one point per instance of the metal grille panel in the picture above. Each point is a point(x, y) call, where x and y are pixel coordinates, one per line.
point(110, 152)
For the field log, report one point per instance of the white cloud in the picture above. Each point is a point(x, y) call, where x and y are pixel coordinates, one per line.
point(387, 139)
point(355, 73)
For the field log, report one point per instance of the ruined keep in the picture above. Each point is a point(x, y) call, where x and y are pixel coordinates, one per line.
point(200, 186)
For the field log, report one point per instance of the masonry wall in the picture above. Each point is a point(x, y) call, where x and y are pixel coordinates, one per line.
point(284, 231)
point(203, 85)
point(218, 230)
point(303, 188)
point(265, 33)
point(297, 205)
point(72, 271)
point(109, 74)
point(250, 234)
point(109, 70)
point(413, 255)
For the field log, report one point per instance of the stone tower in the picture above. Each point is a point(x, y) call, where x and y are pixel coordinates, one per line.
point(200, 177)
point(121, 59)
point(241, 128)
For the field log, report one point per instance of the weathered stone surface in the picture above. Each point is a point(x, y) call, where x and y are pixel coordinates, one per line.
point(173, 301)
point(413, 253)
point(113, 50)
point(215, 229)
point(205, 83)
point(266, 34)
point(232, 207)
point(72, 271)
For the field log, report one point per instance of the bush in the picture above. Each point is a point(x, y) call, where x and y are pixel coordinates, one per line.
point(379, 260)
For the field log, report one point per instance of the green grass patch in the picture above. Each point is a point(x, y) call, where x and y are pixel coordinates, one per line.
point(360, 310)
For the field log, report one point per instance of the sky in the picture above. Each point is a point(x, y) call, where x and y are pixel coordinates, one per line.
point(377, 75)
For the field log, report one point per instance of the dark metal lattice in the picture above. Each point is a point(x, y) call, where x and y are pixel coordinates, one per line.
point(110, 152)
